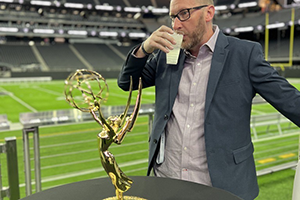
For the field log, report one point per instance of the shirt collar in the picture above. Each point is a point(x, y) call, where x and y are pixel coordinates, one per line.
point(211, 43)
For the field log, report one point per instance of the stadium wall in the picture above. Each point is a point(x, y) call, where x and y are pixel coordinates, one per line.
point(288, 72)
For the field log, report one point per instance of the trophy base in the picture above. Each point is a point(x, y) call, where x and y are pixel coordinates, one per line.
point(125, 198)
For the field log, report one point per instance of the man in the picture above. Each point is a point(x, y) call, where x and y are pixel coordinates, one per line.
point(201, 129)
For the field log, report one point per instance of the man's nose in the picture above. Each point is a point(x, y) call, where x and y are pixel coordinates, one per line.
point(176, 24)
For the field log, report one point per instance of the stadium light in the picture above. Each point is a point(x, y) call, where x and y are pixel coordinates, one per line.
point(45, 31)
point(132, 9)
point(259, 28)
point(93, 33)
point(40, 3)
point(7, 1)
point(25, 30)
point(57, 3)
point(227, 30)
point(160, 10)
point(244, 29)
point(220, 8)
point(291, 23)
point(9, 29)
point(108, 34)
point(137, 35)
point(89, 6)
point(248, 4)
point(73, 5)
point(277, 25)
point(119, 8)
point(104, 7)
point(232, 6)
point(76, 32)
point(123, 34)
point(146, 9)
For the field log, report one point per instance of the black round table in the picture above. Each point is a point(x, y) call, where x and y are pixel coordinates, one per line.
point(150, 188)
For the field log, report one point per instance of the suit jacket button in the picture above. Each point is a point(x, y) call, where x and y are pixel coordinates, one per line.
point(166, 117)
point(155, 141)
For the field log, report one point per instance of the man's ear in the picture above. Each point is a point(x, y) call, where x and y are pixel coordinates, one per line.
point(210, 13)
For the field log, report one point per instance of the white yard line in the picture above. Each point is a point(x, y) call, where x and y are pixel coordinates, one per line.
point(85, 172)
point(92, 150)
point(295, 146)
point(19, 100)
point(67, 143)
point(48, 91)
point(276, 137)
point(92, 160)
point(81, 141)
point(259, 112)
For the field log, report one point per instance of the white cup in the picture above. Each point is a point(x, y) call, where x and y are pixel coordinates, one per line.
point(172, 56)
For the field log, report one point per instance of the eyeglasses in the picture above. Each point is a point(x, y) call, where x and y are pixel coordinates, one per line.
point(185, 14)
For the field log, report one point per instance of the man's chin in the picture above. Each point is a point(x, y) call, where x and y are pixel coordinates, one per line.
point(186, 47)
point(183, 45)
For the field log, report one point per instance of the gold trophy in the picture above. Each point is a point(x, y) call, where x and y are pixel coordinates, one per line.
point(79, 94)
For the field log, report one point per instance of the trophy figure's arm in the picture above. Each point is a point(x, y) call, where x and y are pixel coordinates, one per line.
point(130, 121)
point(107, 129)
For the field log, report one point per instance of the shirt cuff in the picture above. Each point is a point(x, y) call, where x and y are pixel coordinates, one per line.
point(135, 50)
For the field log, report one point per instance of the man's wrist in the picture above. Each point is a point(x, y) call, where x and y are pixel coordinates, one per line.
point(144, 51)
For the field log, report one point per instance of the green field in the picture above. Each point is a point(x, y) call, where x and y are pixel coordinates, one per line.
point(69, 152)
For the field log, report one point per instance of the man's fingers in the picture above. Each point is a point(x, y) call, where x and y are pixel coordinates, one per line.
point(160, 39)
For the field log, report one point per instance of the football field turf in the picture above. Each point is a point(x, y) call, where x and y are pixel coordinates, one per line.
point(69, 152)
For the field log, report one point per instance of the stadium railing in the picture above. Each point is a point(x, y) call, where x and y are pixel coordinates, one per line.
point(4, 125)
point(32, 121)
point(268, 120)
point(296, 191)
point(13, 190)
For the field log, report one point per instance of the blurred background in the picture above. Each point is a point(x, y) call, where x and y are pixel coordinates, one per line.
point(45, 143)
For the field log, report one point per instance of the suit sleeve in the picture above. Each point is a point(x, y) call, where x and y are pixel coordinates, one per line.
point(272, 87)
point(137, 67)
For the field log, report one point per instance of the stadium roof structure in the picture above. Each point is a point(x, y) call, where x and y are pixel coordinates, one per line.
point(121, 20)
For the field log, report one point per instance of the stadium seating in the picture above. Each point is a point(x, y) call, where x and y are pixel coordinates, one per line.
point(60, 57)
point(125, 49)
point(17, 55)
point(100, 56)
point(67, 57)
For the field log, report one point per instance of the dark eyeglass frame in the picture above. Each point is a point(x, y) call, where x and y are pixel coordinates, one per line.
point(188, 10)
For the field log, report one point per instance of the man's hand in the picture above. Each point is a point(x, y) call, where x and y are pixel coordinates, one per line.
point(159, 39)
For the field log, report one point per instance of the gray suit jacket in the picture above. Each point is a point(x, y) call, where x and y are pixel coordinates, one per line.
point(238, 72)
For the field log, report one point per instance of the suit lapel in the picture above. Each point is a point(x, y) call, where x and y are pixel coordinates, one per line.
point(217, 64)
